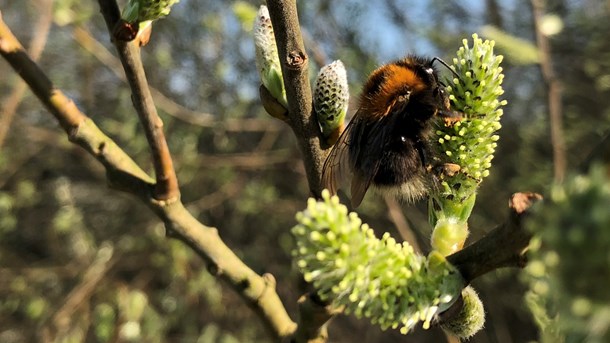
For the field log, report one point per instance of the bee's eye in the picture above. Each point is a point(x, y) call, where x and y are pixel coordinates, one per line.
point(429, 71)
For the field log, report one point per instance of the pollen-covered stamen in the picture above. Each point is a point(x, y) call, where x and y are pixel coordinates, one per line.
point(380, 279)
point(467, 137)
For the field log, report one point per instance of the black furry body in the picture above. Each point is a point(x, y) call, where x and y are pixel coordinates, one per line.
point(387, 140)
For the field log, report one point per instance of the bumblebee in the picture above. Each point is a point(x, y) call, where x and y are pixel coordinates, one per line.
point(386, 142)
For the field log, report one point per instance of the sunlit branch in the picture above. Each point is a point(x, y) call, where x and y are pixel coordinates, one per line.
point(295, 66)
point(166, 186)
point(125, 175)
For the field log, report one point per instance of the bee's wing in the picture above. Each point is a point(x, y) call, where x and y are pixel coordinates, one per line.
point(374, 137)
point(360, 151)
point(351, 148)
point(337, 166)
point(360, 184)
point(362, 143)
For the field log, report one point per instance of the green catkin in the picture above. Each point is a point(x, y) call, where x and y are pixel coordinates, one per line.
point(331, 97)
point(267, 58)
point(384, 280)
point(468, 143)
point(143, 12)
point(379, 279)
point(569, 258)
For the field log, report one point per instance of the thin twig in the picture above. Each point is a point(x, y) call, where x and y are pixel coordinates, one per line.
point(295, 66)
point(400, 222)
point(61, 107)
point(41, 32)
point(250, 160)
point(97, 49)
point(314, 317)
point(124, 174)
point(504, 246)
point(166, 186)
point(226, 191)
point(555, 91)
point(62, 318)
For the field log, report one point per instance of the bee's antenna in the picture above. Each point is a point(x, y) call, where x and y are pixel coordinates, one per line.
point(446, 65)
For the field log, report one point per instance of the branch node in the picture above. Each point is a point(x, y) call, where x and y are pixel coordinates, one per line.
point(269, 280)
point(314, 318)
point(163, 202)
point(521, 202)
point(270, 283)
point(213, 269)
point(502, 247)
point(125, 175)
point(101, 147)
point(296, 60)
point(73, 135)
point(243, 285)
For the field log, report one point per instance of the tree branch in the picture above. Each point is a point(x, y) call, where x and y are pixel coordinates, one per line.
point(554, 89)
point(124, 174)
point(295, 65)
point(62, 319)
point(314, 317)
point(166, 104)
point(294, 61)
point(504, 246)
point(166, 187)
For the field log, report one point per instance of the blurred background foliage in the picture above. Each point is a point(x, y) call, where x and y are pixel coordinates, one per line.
point(80, 262)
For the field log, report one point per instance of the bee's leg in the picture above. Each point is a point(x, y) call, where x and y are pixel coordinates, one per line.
point(446, 169)
point(450, 117)
point(441, 170)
